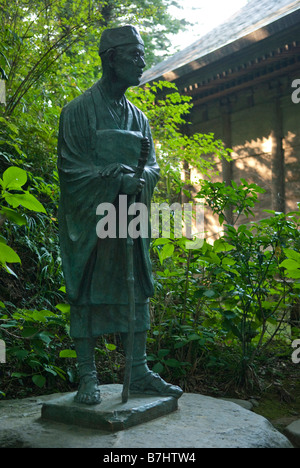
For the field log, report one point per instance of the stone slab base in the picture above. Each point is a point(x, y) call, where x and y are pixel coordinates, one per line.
point(111, 414)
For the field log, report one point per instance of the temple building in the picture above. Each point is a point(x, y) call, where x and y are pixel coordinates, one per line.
point(244, 79)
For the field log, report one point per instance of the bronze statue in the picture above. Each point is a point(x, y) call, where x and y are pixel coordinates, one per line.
point(102, 141)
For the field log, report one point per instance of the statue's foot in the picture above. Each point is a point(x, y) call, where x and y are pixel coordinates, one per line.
point(88, 392)
point(153, 384)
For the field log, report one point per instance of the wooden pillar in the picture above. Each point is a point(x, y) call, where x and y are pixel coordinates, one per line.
point(186, 172)
point(227, 166)
point(278, 162)
point(188, 187)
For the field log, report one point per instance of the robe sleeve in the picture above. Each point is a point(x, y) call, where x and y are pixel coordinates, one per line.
point(82, 190)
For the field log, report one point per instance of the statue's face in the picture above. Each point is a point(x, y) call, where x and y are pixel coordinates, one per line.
point(129, 64)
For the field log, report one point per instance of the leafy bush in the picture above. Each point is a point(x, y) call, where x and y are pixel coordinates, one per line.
point(34, 338)
point(12, 193)
point(237, 292)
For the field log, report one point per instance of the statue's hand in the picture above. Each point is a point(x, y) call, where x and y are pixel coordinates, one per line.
point(112, 170)
point(131, 185)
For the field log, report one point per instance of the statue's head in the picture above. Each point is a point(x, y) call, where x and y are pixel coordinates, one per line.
point(122, 36)
point(122, 53)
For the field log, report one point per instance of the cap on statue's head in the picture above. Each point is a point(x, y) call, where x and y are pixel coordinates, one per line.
point(124, 35)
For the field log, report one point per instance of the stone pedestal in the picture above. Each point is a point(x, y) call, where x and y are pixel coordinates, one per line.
point(111, 414)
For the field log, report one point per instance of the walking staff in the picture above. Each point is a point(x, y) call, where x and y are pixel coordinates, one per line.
point(130, 277)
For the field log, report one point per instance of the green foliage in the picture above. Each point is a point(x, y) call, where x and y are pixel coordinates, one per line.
point(291, 264)
point(13, 180)
point(167, 112)
point(50, 48)
point(13, 194)
point(221, 197)
point(236, 292)
point(34, 339)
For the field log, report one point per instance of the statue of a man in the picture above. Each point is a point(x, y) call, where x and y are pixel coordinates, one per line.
point(99, 137)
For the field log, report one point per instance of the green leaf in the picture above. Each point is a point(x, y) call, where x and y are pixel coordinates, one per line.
point(9, 270)
point(34, 363)
point(172, 363)
point(194, 337)
point(21, 354)
point(166, 252)
point(11, 324)
point(110, 346)
point(162, 353)
point(19, 375)
point(60, 372)
point(161, 241)
point(29, 332)
point(158, 368)
point(64, 308)
point(14, 178)
point(294, 274)
point(293, 255)
point(221, 246)
point(41, 315)
point(229, 314)
point(13, 216)
point(67, 353)
point(4, 61)
point(209, 293)
point(228, 262)
point(50, 370)
point(215, 259)
point(24, 199)
point(46, 337)
point(290, 264)
point(180, 344)
point(39, 380)
point(8, 255)
point(151, 357)
point(231, 327)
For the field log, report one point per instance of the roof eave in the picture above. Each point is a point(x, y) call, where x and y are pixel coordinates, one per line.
point(256, 36)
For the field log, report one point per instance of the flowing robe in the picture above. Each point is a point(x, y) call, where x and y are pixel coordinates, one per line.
point(95, 270)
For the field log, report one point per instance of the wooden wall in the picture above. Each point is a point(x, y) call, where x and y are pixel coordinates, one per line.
point(262, 126)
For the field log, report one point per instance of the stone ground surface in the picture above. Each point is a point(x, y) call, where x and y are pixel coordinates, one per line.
point(199, 422)
point(293, 433)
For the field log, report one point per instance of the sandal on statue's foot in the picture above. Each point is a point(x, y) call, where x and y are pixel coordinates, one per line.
point(88, 392)
point(153, 384)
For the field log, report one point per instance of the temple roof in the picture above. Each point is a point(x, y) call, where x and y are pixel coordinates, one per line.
point(256, 21)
